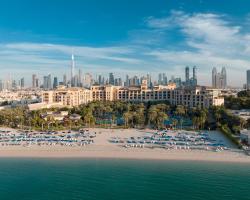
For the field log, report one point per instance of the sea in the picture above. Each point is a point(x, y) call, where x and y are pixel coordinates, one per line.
point(101, 179)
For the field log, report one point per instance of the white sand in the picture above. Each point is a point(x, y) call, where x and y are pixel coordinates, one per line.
point(104, 149)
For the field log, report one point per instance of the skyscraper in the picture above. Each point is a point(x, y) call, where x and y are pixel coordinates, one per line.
point(224, 78)
point(214, 74)
point(72, 70)
point(219, 80)
point(22, 83)
point(79, 78)
point(88, 80)
point(164, 79)
point(127, 81)
point(37, 83)
point(14, 85)
point(64, 79)
point(55, 83)
point(118, 82)
point(49, 82)
point(187, 74)
point(1, 85)
point(177, 81)
point(160, 78)
point(194, 81)
point(194, 72)
point(149, 81)
point(134, 81)
point(111, 79)
point(45, 82)
point(34, 81)
point(248, 79)
point(100, 80)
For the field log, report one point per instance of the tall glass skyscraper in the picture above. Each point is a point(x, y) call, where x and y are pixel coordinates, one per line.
point(219, 80)
point(72, 70)
point(248, 79)
point(187, 74)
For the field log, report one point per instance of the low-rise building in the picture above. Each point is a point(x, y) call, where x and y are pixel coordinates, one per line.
point(244, 113)
point(245, 136)
point(75, 117)
point(44, 105)
point(67, 97)
point(19, 98)
point(57, 116)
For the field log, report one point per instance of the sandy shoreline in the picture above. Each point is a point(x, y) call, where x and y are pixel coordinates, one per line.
point(145, 154)
point(104, 149)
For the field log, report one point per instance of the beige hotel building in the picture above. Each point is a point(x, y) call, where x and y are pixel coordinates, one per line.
point(191, 97)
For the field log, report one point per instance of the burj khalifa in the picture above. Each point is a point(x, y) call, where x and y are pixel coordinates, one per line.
point(72, 70)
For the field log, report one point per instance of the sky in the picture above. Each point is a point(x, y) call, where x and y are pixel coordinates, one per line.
point(132, 37)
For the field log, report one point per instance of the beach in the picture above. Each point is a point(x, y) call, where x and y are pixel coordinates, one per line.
point(103, 148)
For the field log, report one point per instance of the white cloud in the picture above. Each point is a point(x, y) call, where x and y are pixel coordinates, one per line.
point(107, 53)
point(209, 40)
point(26, 58)
point(165, 22)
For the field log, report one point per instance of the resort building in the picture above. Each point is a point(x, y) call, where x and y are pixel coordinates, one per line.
point(142, 93)
point(195, 97)
point(68, 97)
point(104, 93)
point(189, 96)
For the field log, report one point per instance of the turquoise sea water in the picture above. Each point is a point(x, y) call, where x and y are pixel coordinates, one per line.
point(40, 179)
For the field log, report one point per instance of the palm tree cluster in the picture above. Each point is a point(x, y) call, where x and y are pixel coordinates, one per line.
point(229, 124)
point(224, 118)
point(157, 115)
point(103, 114)
point(199, 118)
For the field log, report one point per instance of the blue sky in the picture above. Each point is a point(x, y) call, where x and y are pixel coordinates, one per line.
point(125, 36)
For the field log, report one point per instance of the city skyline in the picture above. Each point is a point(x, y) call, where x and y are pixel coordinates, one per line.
point(78, 79)
point(125, 38)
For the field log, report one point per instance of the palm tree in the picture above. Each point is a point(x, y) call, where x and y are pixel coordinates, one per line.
point(127, 116)
point(162, 107)
point(89, 119)
point(139, 118)
point(181, 122)
point(141, 108)
point(243, 123)
point(174, 122)
point(113, 119)
point(161, 117)
point(180, 110)
point(196, 122)
point(217, 116)
point(203, 117)
point(152, 115)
